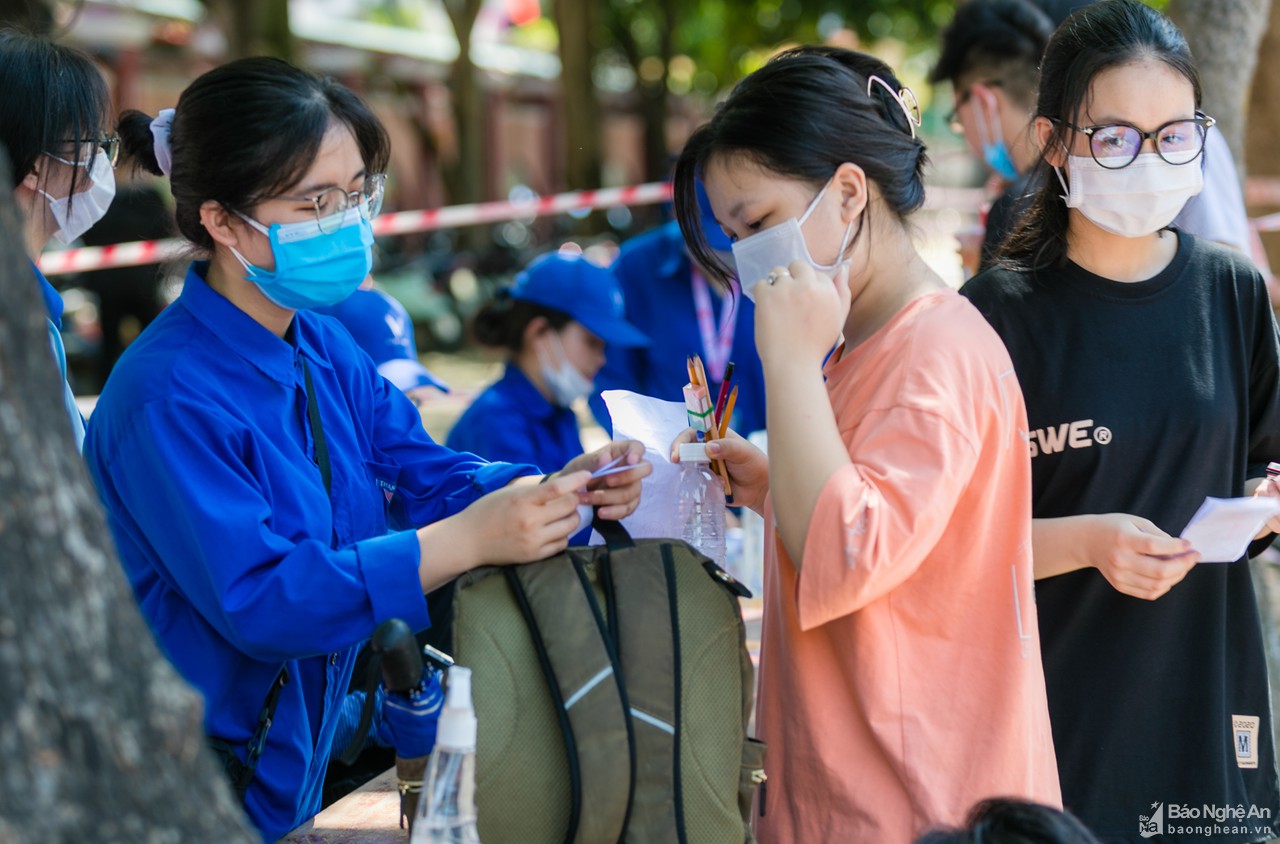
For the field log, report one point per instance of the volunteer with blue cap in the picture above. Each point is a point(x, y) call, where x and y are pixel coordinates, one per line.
point(554, 323)
point(667, 297)
point(53, 120)
point(253, 464)
point(382, 328)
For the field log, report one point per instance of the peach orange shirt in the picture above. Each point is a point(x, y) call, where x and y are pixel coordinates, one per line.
point(900, 671)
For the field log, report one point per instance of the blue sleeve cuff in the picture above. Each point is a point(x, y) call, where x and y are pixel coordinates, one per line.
point(497, 475)
point(389, 566)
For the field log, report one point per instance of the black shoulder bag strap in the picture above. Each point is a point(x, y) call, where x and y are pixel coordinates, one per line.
point(241, 773)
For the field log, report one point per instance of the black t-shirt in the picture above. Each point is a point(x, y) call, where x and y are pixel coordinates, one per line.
point(1144, 398)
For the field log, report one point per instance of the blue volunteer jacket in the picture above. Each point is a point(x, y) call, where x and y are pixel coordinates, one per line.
point(202, 450)
point(53, 306)
point(654, 272)
point(512, 421)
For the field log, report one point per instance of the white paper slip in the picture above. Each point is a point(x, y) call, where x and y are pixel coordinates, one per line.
point(611, 468)
point(655, 423)
point(1222, 528)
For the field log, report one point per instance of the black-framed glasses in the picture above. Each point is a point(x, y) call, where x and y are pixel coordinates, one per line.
point(331, 204)
point(87, 148)
point(1117, 145)
point(953, 116)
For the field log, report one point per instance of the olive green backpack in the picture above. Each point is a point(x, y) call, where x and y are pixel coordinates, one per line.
point(612, 687)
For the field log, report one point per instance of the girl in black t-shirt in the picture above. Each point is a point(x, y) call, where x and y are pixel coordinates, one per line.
point(1150, 365)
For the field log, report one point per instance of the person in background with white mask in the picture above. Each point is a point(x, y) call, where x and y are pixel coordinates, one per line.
point(900, 677)
point(54, 114)
point(553, 323)
point(1151, 368)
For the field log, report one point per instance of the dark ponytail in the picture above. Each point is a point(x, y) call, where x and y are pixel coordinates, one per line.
point(802, 115)
point(501, 322)
point(246, 130)
point(1096, 38)
point(137, 143)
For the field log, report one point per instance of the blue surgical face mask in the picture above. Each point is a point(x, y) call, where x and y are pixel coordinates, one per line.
point(313, 269)
point(995, 152)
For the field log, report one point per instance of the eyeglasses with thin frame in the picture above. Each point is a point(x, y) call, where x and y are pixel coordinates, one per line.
point(1117, 145)
point(109, 144)
point(953, 116)
point(331, 204)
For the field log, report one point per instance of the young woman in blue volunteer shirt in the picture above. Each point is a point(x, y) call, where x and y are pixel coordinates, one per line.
point(53, 124)
point(253, 463)
point(1151, 369)
point(554, 324)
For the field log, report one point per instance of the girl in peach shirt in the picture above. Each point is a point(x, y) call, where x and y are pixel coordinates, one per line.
point(900, 675)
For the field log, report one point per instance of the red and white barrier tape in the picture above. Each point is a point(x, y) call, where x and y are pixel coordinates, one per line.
point(143, 252)
point(1269, 223)
point(385, 225)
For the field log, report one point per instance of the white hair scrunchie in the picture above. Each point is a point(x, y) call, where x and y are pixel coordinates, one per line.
point(161, 130)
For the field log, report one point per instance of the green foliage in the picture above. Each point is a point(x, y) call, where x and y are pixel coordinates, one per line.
point(704, 46)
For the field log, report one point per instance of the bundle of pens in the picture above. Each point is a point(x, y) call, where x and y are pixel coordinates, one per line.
point(710, 421)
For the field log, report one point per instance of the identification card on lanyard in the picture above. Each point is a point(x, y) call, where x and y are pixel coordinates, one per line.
point(717, 345)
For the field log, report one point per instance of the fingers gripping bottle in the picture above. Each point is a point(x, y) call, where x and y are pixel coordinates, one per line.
point(700, 503)
point(447, 809)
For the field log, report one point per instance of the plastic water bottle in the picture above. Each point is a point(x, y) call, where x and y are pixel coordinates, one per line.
point(700, 503)
point(447, 809)
point(751, 569)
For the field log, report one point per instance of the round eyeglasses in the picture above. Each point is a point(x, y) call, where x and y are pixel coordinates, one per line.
point(87, 149)
point(331, 204)
point(1117, 145)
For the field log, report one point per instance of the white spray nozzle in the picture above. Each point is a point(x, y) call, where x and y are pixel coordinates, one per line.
point(457, 729)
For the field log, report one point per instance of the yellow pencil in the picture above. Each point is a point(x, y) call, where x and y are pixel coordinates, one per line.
point(702, 374)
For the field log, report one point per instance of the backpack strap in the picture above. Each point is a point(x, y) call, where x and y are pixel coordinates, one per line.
point(648, 647)
point(586, 686)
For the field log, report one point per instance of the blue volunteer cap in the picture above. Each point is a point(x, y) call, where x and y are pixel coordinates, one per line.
point(381, 326)
point(587, 292)
point(716, 238)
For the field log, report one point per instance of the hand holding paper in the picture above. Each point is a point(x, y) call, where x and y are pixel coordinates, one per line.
point(1222, 528)
point(1135, 556)
point(614, 486)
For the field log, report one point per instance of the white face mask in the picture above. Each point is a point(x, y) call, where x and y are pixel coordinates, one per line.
point(1133, 201)
point(562, 379)
point(76, 214)
point(779, 246)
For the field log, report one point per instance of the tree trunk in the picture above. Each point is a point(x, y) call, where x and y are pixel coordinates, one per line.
point(101, 740)
point(576, 25)
point(254, 27)
point(465, 178)
point(1224, 37)
point(1261, 157)
point(656, 154)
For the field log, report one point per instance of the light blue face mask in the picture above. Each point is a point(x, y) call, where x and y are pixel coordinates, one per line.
point(995, 152)
point(313, 269)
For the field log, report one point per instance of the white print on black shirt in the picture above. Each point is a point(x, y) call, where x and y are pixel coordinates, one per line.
point(1079, 434)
